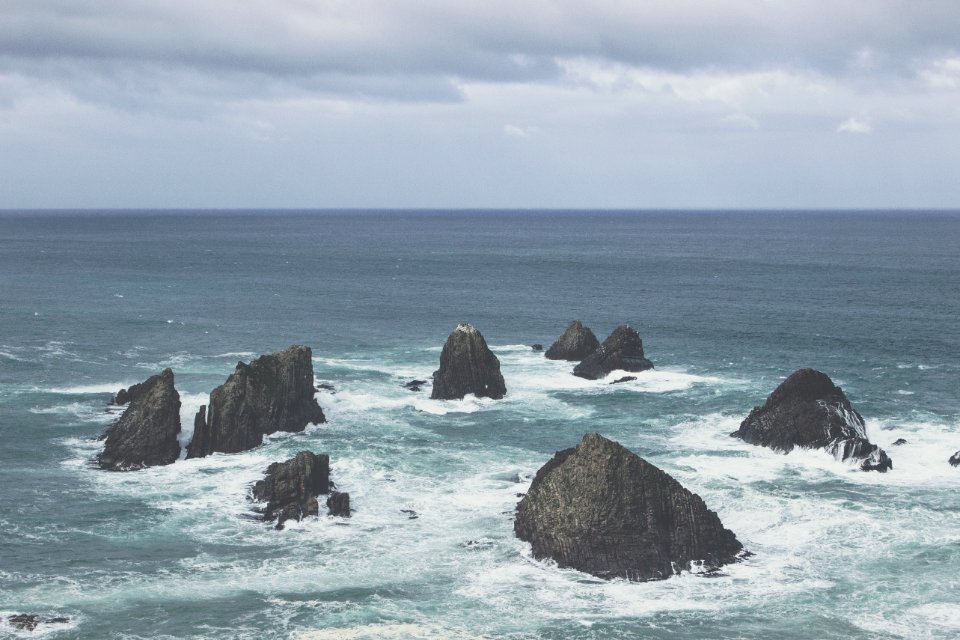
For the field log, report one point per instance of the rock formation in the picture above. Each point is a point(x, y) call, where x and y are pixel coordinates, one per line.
point(272, 393)
point(602, 509)
point(338, 504)
point(622, 350)
point(536, 347)
point(145, 435)
point(955, 459)
point(624, 379)
point(467, 366)
point(576, 343)
point(290, 489)
point(898, 442)
point(807, 410)
point(414, 385)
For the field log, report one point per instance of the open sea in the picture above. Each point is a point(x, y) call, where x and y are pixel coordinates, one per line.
point(728, 304)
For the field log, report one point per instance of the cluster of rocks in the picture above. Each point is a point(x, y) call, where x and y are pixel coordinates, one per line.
point(290, 489)
point(597, 507)
point(273, 393)
point(621, 351)
point(30, 622)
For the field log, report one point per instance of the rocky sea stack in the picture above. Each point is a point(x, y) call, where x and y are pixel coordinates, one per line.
point(467, 366)
point(290, 489)
point(955, 460)
point(272, 393)
point(602, 509)
point(145, 435)
point(576, 343)
point(622, 350)
point(807, 410)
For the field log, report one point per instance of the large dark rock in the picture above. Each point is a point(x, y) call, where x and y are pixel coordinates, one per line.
point(576, 343)
point(145, 435)
point(955, 459)
point(467, 366)
point(602, 509)
point(622, 350)
point(272, 393)
point(807, 410)
point(290, 488)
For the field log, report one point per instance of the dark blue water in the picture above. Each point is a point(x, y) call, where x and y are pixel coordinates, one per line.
point(728, 303)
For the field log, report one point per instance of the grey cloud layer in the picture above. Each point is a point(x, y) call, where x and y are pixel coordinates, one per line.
point(503, 41)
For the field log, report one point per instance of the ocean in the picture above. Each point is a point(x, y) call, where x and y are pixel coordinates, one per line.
point(728, 304)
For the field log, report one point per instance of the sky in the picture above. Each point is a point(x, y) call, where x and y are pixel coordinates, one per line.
point(479, 104)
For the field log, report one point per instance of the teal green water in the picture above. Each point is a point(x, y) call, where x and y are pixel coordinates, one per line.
point(728, 303)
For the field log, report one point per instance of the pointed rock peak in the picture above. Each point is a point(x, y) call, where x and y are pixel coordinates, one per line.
point(805, 384)
point(467, 366)
point(146, 433)
point(576, 343)
point(602, 509)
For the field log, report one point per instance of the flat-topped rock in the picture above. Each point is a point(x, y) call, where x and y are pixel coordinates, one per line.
point(273, 393)
point(145, 435)
point(807, 410)
point(576, 343)
point(290, 489)
point(467, 366)
point(604, 510)
point(622, 350)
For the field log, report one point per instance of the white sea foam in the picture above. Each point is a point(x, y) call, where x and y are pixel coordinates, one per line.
point(101, 388)
point(377, 631)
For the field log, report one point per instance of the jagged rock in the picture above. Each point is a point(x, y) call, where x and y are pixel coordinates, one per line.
point(467, 366)
point(898, 442)
point(414, 385)
point(134, 391)
point(576, 343)
point(807, 410)
point(290, 488)
point(338, 504)
point(272, 393)
point(602, 509)
point(145, 435)
point(326, 386)
point(955, 459)
point(624, 379)
point(622, 350)
point(537, 347)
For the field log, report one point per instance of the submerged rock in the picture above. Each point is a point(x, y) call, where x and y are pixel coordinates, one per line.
point(807, 410)
point(536, 347)
point(467, 366)
point(414, 385)
point(145, 435)
point(29, 621)
point(955, 459)
point(602, 509)
point(622, 350)
point(898, 442)
point(624, 379)
point(290, 488)
point(576, 343)
point(272, 393)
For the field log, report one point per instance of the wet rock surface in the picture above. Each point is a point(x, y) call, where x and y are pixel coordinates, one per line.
point(602, 509)
point(467, 366)
point(955, 459)
point(290, 488)
point(273, 393)
point(145, 435)
point(576, 343)
point(622, 350)
point(807, 410)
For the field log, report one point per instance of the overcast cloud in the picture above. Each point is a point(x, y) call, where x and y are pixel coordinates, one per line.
point(368, 103)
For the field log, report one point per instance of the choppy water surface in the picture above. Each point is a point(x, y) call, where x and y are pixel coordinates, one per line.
point(727, 303)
